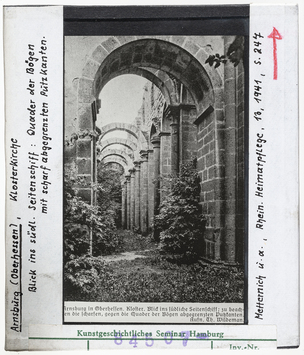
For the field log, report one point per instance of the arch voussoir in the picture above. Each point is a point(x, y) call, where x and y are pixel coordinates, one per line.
point(111, 141)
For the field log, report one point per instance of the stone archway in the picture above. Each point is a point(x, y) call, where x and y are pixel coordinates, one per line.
point(214, 109)
point(111, 141)
point(115, 152)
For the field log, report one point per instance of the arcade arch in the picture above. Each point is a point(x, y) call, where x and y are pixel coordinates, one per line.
point(202, 119)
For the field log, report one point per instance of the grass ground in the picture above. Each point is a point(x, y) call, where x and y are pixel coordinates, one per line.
point(156, 279)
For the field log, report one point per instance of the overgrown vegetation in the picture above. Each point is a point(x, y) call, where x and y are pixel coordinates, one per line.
point(166, 272)
point(85, 224)
point(180, 219)
point(154, 279)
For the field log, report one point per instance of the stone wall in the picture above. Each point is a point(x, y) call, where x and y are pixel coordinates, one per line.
point(191, 110)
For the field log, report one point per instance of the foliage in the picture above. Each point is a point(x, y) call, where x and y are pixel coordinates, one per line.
point(109, 195)
point(136, 242)
point(217, 59)
point(81, 220)
point(154, 279)
point(81, 275)
point(234, 54)
point(180, 220)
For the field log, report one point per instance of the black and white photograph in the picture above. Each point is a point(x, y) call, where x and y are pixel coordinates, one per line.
point(154, 189)
point(152, 177)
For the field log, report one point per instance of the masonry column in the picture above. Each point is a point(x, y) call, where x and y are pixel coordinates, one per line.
point(156, 153)
point(165, 168)
point(150, 188)
point(137, 191)
point(174, 125)
point(128, 200)
point(123, 204)
point(230, 156)
point(132, 198)
point(144, 191)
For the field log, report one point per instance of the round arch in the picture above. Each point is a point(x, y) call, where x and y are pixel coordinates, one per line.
point(119, 126)
point(115, 152)
point(125, 142)
point(161, 55)
point(125, 127)
point(118, 160)
point(163, 82)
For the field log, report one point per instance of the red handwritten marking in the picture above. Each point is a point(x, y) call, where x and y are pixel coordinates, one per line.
point(275, 35)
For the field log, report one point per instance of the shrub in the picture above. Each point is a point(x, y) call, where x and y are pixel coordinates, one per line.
point(81, 275)
point(82, 220)
point(180, 220)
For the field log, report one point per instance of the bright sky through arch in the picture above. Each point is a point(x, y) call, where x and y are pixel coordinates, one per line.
point(121, 99)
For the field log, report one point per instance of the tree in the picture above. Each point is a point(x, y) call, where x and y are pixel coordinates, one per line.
point(180, 219)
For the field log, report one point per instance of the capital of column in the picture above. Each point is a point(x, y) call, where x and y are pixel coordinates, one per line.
point(131, 171)
point(161, 134)
point(128, 177)
point(155, 142)
point(172, 112)
point(144, 155)
point(137, 165)
point(124, 183)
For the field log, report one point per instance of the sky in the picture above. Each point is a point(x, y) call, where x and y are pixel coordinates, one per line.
point(121, 99)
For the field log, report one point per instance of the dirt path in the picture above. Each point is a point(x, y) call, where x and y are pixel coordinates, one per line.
point(128, 255)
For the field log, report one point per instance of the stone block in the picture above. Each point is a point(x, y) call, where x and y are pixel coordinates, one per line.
point(191, 47)
point(113, 67)
point(212, 145)
point(210, 159)
point(205, 175)
point(125, 39)
point(219, 99)
point(211, 126)
point(69, 154)
point(230, 166)
point(221, 157)
point(179, 40)
point(85, 121)
point(207, 185)
point(201, 134)
point(90, 69)
point(221, 138)
point(231, 140)
point(204, 208)
point(211, 207)
point(240, 94)
point(125, 59)
point(83, 148)
point(99, 54)
point(85, 194)
point(219, 189)
point(229, 71)
point(110, 44)
point(219, 207)
point(240, 78)
point(241, 108)
point(200, 164)
point(204, 151)
point(241, 119)
point(230, 115)
point(219, 116)
point(219, 171)
point(209, 137)
point(211, 172)
point(209, 197)
point(84, 166)
point(85, 90)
